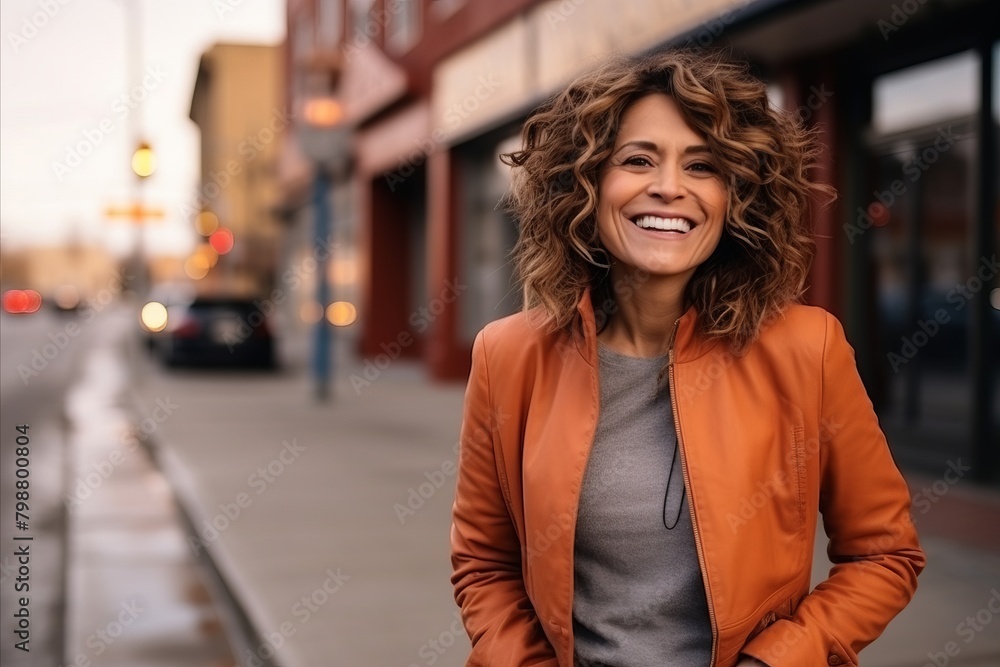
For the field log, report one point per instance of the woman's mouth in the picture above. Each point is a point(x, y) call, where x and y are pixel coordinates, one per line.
point(668, 225)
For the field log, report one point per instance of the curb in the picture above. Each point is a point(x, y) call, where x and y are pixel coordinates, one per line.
point(244, 637)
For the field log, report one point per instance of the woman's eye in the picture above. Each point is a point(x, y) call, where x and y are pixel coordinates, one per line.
point(704, 167)
point(637, 161)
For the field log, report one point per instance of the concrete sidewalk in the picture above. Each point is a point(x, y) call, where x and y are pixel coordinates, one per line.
point(330, 523)
point(134, 593)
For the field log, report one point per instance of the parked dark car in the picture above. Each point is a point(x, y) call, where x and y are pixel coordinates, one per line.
point(213, 331)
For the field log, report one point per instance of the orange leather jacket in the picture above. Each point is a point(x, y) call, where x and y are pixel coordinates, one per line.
point(768, 440)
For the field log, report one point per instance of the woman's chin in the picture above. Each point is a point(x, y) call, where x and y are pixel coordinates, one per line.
point(663, 267)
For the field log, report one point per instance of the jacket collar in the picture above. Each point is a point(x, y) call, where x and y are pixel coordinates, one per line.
point(689, 344)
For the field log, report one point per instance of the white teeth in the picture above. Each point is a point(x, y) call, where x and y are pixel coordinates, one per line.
point(667, 224)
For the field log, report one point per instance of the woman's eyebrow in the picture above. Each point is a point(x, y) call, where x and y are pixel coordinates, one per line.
point(640, 144)
point(646, 145)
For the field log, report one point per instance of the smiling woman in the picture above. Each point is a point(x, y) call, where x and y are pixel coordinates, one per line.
point(732, 138)
point(662, 201)
point(663, 379)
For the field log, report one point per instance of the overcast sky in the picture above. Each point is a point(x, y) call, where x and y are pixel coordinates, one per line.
point(62, 79)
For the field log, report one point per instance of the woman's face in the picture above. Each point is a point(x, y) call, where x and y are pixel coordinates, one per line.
point(661, 199)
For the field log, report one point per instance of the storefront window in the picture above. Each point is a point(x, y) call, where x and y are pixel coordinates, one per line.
point(925, 94)
point(921, 218)
point(488, 234)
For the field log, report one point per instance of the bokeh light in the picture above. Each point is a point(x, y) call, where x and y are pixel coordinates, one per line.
point(22, 302)
point(15, 301)
point(144, 161)
point(221, 240)
point(323, 112)
point(341, 313)
point(67, 297)
point(995, 298)
point(311, 312)
point(196, 267)
point(154, 316)
point(206, 223)
point(209, 253)
point(879, 214)
point(34, 300)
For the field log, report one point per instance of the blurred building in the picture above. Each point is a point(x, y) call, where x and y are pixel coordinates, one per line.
point(90, 270)
point(238, 104)
point(904, 95)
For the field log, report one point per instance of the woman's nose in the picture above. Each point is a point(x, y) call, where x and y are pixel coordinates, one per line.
point(667, 182)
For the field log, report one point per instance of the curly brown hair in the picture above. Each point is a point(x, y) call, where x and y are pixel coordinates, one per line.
point(762, 261)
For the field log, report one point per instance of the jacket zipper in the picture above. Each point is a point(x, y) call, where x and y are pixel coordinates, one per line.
point(687, 485)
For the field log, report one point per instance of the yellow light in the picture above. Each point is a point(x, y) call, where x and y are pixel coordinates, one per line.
point(144, 161)
point(196, 267)
point(208, 252)
point(311, 312)
point(206, 223)
point(341, 313)
point(323, 112)
point(154, 316)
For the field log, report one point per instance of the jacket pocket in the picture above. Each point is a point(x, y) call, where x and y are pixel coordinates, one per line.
point(778, 612)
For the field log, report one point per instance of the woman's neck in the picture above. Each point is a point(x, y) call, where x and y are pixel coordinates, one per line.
point(646, 310)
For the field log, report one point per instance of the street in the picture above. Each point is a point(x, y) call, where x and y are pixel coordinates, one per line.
point(34, 395)
point(109, 579)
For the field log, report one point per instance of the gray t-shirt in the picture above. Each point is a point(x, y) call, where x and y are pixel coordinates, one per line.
point(638, 597)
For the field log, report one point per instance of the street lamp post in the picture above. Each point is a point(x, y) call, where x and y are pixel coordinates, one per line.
point(143, 160)
point(323, 137)
point(143, 166)
point(323, 229)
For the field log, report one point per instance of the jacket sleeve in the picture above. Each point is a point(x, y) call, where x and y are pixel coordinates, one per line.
point(485, 549)
point(866, 513)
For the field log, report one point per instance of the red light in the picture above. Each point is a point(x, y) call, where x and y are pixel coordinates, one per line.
point(22, 301)
point(221, 241)
point(878, 213)
point(14, 301)
point(34, 300)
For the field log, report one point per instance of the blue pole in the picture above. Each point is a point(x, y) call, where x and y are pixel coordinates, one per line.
point(322, 250)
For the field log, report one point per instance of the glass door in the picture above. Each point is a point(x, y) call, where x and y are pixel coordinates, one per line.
point(919, 230)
